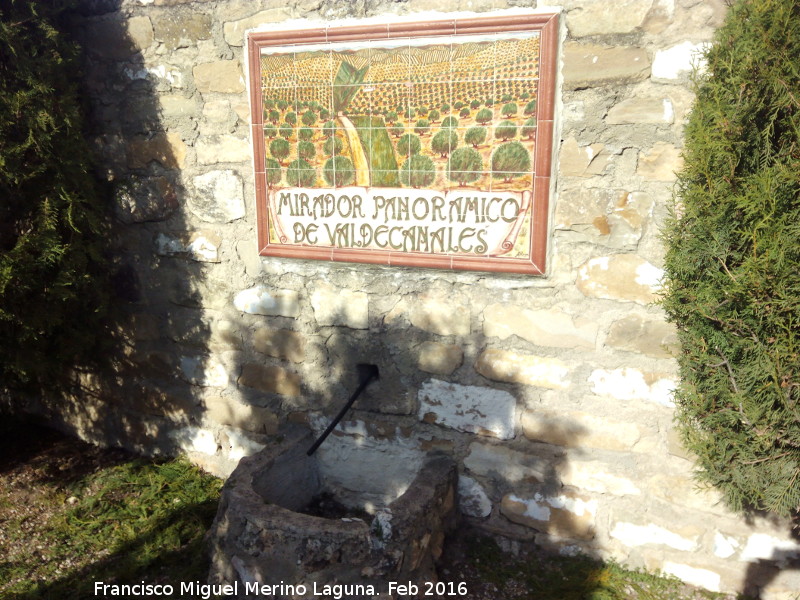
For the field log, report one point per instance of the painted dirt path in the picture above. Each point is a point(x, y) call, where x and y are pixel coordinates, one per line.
point(357, 151)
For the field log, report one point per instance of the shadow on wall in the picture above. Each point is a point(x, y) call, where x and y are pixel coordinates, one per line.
point(157, 258)
point(768, 560)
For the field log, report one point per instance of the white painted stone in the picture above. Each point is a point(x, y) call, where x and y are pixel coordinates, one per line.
point(594, 476)
point(260, 300)
point(336, 306)
point(632, 384)
point(194, 439)
point(472, 500)
point(620, 277)
point(510, 465)
point(199, 247)
point(677, 61)
point(640, 535)
point(468, 408)
point(533, 509)
point(700, 577)
point(218, 198)
point(762, 546)
point(724, 546)
point(239, 445)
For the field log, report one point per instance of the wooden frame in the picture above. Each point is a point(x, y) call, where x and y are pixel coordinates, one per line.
point(471, 193)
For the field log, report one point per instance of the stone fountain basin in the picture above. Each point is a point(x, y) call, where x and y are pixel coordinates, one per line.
point(260, 535)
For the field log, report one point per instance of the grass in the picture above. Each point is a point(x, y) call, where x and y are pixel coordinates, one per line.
point(379, 150)
point(120, 523)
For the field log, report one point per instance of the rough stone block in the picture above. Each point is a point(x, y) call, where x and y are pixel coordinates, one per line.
point(660, 163)
point(503, 365)
point(280, 343)
point(507, 464)
point(202, 246)
point(472, 499)
point(117, 37)
point(582, 161)
point(637, 334)
point(440, 316)
point(611, 217)
point(620, 277)
point(632, 384)
point(203, 371)
point(274, 380)
point(704, 578)
point(335, 306)
point(567, 515)
point(468, 408)
point(218, 197)
point(551, 327)
point(260, 300)
point(216, 149)
point(145, 199)
point(440, 359)
point(174, 105)
point(595, 476)
point(578, 429)
point(762, 546)
point(222, 76)
point(588, 65)
point(194, 439)
point(656, 111)
point(683, 490)
point(165, 148)
point(599, 19)
point(180, 29)
point(633, 535)
point(234, 30)
point(227, 411)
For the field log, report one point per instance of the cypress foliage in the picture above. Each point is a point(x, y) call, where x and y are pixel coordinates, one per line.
point(52, 284)
point(733, 261)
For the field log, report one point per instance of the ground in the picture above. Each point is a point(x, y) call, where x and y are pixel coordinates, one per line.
point(72, 514)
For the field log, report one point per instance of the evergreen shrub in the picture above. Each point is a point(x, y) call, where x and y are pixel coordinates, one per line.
point(732, 282)
point(54, 291)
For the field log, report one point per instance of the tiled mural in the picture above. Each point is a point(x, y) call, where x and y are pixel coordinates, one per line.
point(415, 149)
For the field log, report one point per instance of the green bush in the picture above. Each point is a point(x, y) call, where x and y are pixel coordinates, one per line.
point(53, 285)
point(465, 166)
point(444, 142)
point(418, 171)
point(339, 171)
point(300, 173)
point(732, 282)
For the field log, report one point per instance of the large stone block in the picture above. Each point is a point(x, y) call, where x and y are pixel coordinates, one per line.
point(596, 476)
point(174, 105)
point(227, 411)
point(166, 148)
point(655, 111)
point(677, 61)
point(145, 199)
point(222, 149)
point(598, 18)
point(440, 359)
point(260, 300)
point(472, 499)
point(234, 30)
point(222, 76)
point(589, 65)
point(582, 161)
point(661, 163)
point(439, 315)
point(624, 277)
point(511, 367)
point(181, 29)
point(567, 515)
point(218, 197)
point(509, 465)
point(203, 371)
point(579, 429)
point(549, 327)
point(628, 383)
point(271, 379)
point(280, 343)
point(336, 306)
point(610, 217)
point(637, 334)
point(468, 408)
point(117, 37)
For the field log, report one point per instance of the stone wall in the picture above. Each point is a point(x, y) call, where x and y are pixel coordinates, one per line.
point(552, 393)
